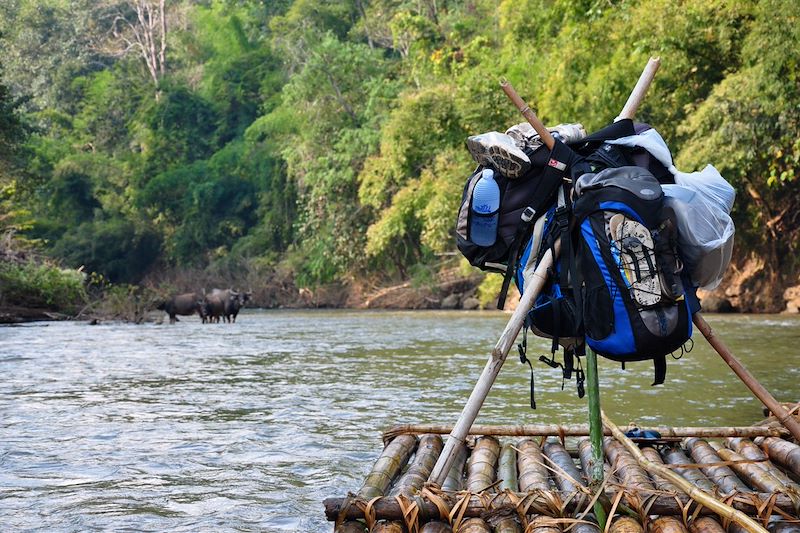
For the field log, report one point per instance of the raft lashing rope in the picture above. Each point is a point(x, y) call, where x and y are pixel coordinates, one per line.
point(522, 479)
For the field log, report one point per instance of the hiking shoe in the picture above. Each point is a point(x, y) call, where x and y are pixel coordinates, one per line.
point(634, 251)
point(499, 151)
point(526, 137)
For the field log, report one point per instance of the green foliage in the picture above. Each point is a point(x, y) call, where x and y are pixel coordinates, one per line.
point(41, 285)
point(329, 135)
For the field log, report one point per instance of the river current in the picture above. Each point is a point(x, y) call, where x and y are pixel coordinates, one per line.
point(249, 426)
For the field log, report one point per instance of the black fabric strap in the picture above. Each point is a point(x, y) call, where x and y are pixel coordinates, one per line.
point(560, 159)
point(660, 366)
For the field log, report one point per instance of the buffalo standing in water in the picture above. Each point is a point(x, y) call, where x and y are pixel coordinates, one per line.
point(225, 303)
point(184, 305)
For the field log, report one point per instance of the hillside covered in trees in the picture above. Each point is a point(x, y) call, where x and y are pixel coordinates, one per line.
point(312, 142)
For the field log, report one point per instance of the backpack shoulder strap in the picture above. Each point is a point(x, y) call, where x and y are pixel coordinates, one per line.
point(660, 367)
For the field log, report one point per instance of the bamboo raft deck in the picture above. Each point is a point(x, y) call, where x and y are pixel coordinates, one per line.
point(535, 479)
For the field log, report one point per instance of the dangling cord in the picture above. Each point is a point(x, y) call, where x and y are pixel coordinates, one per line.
point(580, 377)
point(523, 350)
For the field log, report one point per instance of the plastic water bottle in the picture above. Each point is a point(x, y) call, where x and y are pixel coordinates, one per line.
point(485, 210)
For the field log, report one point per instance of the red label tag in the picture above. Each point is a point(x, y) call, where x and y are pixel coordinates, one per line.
point(557, 164)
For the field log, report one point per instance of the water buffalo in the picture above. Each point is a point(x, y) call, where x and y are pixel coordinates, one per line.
point(184, 305)
point(226, 303)
point(234, 303)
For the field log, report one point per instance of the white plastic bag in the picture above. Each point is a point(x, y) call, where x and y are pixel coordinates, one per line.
point(705, 234)
point(702, 202)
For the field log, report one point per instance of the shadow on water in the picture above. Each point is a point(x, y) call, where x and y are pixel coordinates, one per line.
point(251, 425)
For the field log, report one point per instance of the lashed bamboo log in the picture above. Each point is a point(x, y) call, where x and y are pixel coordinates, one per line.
point(455, 477)
point(586, 527)
point(625, 524)
point(722, 475)
point(507, 471)
point(391, 461)
point(752, 452)
point(585, 456)
point(568, 477)
point(543, 524)
point(705, 524)
point(436, 527)
point(505, 524)
point(492, 368)
point(481, 464)
point(531, 463)
point(389, 509)
point(703, 498)
point(783, 526)
point(760, 392)
point(428, 450)
point(675, 456)
point(660, 483)
point(666, 524)
point(627, 468)
point(351, 527)
point(582, 430)
point(785, 453)
point(755, 476)
point(474, 525)
point(388, 527)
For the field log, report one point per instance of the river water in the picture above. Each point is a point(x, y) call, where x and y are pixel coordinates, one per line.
point(249, 426)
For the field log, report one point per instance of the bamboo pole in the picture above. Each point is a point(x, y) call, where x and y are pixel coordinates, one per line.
point(749, 450)
point(428, 450)
point(436, 527)
point(675, 456)
point(568, 477)
point(627, 468)
point(595, 471)
point(505, 524)
point(705, 524)
point(585, 457)
point(640, 89)
point(492, 369)
point(783, 416)
point(481, 464)
point(660, 483)
point(391, 461)
point(388, 527)
point(543, 524)
point(532, 472)
point(529, 115)
point(722, 475)
point(725, 511)
point(474, 525)
point(755, 476)
point(507, 471)
point(625, 524)
point(387, 508)
point(455, 477)
point(785, 453)
point(582, 430)
point(351, 527)
point(667, 524)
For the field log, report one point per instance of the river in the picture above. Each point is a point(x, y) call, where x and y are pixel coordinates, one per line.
point(249, 426)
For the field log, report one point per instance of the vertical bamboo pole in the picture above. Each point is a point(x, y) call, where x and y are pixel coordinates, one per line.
point(595, 433)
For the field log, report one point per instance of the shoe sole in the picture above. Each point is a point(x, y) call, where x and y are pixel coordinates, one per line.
point(508, 163)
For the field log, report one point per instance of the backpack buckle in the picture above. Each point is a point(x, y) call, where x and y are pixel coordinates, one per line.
point(528, 214)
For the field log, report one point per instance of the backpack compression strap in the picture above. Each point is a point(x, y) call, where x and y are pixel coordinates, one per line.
point(558, 162)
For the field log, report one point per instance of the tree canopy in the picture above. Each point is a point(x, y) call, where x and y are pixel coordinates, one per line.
point(327, 136)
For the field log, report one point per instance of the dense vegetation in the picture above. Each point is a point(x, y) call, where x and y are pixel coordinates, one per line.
point(325, 138)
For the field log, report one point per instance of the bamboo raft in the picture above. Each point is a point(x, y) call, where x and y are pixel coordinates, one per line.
point(535, 479)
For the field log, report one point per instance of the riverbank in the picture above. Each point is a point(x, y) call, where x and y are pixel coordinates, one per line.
point(747, 288)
